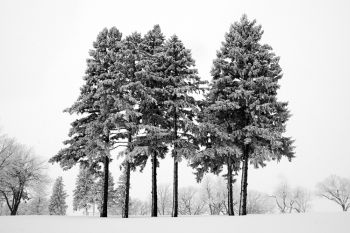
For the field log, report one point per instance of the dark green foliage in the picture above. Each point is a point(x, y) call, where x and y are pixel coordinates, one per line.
point(57, 205)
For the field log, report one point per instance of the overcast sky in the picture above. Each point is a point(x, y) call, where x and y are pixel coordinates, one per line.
point(44, 46)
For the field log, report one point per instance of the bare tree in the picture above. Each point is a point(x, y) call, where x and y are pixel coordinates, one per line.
point(139, 207)
point(37, 201)
point(190, 202)
point(302, 200)
point(292, 199)
point(336, 189)
point(259, 203)
point(164, 199)
point(283, 197)
point(22, 171)
point(214, 194)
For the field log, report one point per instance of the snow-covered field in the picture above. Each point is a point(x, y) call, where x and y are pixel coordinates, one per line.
point(296, 223)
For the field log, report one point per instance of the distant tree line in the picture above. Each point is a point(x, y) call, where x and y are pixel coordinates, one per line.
point(24, 190)
point(140, 94)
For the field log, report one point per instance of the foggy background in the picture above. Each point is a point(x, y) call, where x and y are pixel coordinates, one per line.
point(44, 46)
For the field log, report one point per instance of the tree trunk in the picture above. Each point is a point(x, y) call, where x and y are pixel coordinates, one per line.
point(154, 185)
point(105, 187)
point(127, 188)
point(15, 209)
point(344, 207)
point(244, 184)
point(229, 187)
point(175, 189)
point(176, 171)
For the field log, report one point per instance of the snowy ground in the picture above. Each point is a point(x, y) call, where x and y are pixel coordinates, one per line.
point(296, 223)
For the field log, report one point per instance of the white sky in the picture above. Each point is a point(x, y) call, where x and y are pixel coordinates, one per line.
point(44, 45)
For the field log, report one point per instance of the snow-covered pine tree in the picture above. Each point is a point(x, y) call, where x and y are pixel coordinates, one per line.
point(91, 135)
point(57, 205)
point(83, 194)
point(181, 82)
point(152, 140)
point(130, 93)
point(121, 191)
point(112, 195)
point(244, 89)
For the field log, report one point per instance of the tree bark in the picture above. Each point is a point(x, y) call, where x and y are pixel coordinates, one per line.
point(154, 209)
point(176, 170)
point(175, 189)
point(127, 188)
point(244, 184)
point(127, 182)
point(229, 187)
point(105, 187)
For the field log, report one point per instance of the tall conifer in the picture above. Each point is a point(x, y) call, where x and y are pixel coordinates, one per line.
point(151, 142)
point(260, 119)
point(243, 110)
point(91, 135)
point(181, 82)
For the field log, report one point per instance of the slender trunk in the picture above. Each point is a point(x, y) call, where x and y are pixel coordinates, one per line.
point(229, 187)
point(105, 187)
point(154, 185)
point(175, 189)
point(244, 184)
point(127, 188)
point(93, 208)
point(176, 171)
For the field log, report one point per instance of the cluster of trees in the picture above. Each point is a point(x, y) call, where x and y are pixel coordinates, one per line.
point(290, 199)
point(139, 95)
point(209, 199)
point(88, 192)
point(24, 182)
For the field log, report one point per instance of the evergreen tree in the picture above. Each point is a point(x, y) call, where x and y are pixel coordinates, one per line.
point(57, 205)
point(130, 93)
point(91, 135)
point(38, 205)
point(121, 191)
point(112, 194)
point(181, 82)
point(243, 101)
point(84, 192)
point(151, 142)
